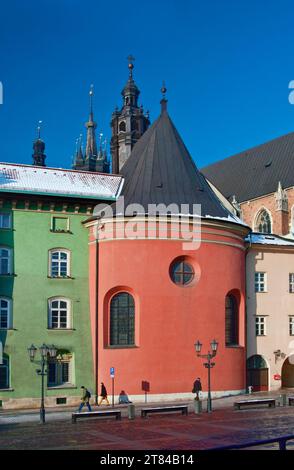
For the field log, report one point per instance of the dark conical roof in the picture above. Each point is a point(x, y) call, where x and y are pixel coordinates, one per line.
point(160, 170)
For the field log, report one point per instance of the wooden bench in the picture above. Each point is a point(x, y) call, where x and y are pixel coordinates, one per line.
point(271, 402)
point(291, 401)
point(95, 414)
point(164, 409)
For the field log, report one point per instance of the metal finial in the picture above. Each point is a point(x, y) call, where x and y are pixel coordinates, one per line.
point(131, 64)
point(163, 90)
point(39, 129)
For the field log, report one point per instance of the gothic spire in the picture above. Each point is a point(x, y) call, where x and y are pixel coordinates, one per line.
point(130, 92)
point(91, 146)
point(39, 148)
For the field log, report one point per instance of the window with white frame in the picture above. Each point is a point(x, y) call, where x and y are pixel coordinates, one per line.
point(291, 326)
point(5, 260)
point(5, 220)
point(59, 263)
point(260, 326)
point(291, 283)
point(5, 313)
point(59, 313)
point(260, 282)
point(60, 370)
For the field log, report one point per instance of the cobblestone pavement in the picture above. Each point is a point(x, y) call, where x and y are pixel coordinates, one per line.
point(158, 432)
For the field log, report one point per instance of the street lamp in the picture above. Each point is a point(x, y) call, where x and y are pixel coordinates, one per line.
point(45, 350)
point(209, 365)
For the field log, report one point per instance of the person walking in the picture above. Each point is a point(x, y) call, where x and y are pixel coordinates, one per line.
point(85, 400)
point(103, 395)
point(197, 387)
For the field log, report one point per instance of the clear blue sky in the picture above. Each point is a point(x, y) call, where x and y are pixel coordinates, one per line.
point(227, 65)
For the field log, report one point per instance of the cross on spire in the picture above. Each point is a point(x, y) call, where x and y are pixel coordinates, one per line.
point(131, 60)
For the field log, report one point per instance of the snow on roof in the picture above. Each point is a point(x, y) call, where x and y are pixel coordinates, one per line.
point(30, 179)
point(269, 239)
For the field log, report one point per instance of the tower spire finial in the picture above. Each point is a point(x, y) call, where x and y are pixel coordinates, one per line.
point(163, 101)
point(131, 64)
point(39, 130)
point(91, 94)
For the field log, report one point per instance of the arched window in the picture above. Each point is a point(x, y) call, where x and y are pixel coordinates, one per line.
point(59, 313)
point(122, 320)
point(5, 313)
point(59, 263)
point(5, 260)
point(122, 127)
point(232, 323)
point(4, 372)
point(263, 222)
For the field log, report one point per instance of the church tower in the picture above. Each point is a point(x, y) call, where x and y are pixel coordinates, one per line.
point(128, 124)
point(39, 148)
point(92, 159)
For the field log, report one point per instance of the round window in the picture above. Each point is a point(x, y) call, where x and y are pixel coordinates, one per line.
point(182, 273)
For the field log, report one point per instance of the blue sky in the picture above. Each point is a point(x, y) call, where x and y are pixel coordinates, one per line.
point(227, 65)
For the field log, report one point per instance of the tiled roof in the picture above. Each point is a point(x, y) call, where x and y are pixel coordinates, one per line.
point(29, 179)
point(255, 172)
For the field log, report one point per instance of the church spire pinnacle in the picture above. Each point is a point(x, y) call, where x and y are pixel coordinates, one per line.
point(163, 101)
point(39, 148)
point(91, 146)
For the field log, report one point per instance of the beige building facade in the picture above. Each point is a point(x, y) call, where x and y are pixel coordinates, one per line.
point(270, 312)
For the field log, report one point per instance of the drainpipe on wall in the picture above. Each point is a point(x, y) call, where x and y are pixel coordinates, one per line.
point(96, 321)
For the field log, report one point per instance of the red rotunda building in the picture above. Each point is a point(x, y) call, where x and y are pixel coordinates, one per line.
point(153, 293)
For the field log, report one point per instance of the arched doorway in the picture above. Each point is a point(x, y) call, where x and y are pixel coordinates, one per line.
point(288, 372)
point(257, 373)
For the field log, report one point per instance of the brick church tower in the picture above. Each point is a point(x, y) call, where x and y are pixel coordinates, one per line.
point(128, 124)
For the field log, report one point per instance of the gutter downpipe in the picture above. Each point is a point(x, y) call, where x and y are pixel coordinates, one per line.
point(96, 318)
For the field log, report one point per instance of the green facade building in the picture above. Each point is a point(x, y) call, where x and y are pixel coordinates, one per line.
point(44, 292)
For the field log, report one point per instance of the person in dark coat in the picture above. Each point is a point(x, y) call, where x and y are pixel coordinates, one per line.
point(197, 387)
point(103, 395)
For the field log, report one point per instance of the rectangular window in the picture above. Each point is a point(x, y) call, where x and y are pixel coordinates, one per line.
point(60, 224)
point(291, 283)
point(59, 373)
point(260, 282)
point(260, 326)
point(4, 374)
point(5, 220)
point(4, 313)
point(291, 326)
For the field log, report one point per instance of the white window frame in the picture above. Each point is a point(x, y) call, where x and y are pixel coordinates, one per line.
point(291, 283)
point(259, 283)
point(9, 313)
point(260, 324)
point(291, 325)
point(59, 261)
point(68, 313)
point(2, 215)
point(9, 258)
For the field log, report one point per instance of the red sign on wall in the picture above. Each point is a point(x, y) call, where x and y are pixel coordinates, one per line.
point(277, 377)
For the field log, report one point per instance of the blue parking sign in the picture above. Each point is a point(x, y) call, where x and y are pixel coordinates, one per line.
point(111, 372)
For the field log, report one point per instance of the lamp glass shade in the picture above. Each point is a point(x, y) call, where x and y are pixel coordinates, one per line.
point(32, 352)
point(198, 346)
point(44, 350)
point(52, 351)
point(214, 345)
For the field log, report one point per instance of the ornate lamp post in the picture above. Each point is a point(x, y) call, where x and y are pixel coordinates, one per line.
point(45, 351)
point(209, 365)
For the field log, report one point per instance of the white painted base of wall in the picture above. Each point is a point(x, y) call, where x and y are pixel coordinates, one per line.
point(50, 402)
